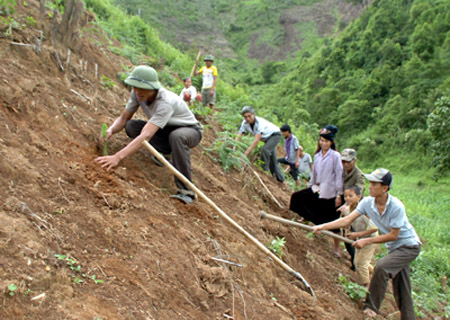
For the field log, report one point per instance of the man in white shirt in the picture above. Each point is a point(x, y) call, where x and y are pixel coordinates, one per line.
point(267, 132)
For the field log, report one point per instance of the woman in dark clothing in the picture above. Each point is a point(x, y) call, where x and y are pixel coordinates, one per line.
point(318, 202)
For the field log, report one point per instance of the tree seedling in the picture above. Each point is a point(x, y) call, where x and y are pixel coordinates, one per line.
point(105, 144)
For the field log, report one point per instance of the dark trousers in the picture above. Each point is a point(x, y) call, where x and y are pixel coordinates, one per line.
point(351, 251)
point(308, 205)
point(171, 140)
point(269, 156)
point(395, 266)
point(294, 170)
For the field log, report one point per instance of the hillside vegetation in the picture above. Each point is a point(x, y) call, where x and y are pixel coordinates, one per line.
point(381, 82)
point(263, 30)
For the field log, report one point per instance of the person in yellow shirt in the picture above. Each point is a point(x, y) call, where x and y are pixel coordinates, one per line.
point(209, 73)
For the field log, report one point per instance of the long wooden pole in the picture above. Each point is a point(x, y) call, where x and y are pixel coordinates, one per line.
point(196, 61)
point(303, 226)
point(265, 187)
point(227, 218)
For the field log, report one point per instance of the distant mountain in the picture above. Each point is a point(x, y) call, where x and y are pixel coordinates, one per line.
point(254, 29)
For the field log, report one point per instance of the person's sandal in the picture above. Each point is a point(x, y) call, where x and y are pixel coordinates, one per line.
point(184, 198)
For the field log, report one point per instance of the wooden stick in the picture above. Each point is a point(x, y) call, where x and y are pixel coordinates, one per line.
point(303, 226)
point(227, 218)
point(59, 61)
point(228, 262)
point(68, 58)
point(196, 61)
point(265, 187)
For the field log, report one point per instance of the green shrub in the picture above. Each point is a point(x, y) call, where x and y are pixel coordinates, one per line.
point(438, 124)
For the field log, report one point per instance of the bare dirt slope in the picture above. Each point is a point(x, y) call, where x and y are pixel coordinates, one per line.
point(152, 253)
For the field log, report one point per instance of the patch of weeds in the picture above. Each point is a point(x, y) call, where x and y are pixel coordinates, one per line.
point(355, 291)
point(12, 289)
point(229, 152)
point(31, 21)
point(198, 109)
point(78, 275)
point(28, 291)
point(97, 281)
point(7, 7)
point(277, 245)
point(107, 82)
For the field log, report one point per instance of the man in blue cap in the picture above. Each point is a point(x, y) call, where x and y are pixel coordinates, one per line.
point(403, 244)
point(171, 128)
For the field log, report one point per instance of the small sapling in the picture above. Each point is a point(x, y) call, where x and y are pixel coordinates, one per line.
point(105, 144)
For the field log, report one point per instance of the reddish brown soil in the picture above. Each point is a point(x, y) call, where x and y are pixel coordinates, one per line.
point(153, 253)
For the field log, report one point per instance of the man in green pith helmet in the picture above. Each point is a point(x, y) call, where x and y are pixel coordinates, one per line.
point(209, 73)
point(171, 128)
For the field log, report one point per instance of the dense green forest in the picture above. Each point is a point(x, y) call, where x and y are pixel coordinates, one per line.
point(384, 81)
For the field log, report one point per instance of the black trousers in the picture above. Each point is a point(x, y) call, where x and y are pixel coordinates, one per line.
point(307, 204)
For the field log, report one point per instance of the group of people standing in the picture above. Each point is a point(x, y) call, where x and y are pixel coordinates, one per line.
point(332, 179)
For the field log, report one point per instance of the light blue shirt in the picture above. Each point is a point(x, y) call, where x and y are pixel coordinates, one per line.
point(261, 126)
point(393, 216)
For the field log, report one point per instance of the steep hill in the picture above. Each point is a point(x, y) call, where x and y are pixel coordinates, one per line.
point(66, 225)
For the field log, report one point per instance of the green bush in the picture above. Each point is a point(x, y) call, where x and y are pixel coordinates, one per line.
point(438, 124)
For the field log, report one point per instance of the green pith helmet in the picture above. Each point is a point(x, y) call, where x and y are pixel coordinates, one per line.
point(143, 77)
point(209, 58)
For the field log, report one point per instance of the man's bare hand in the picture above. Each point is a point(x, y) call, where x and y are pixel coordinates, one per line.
point(108, 162)
point(317, 229)
point(352, 236)
point(361, 243)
